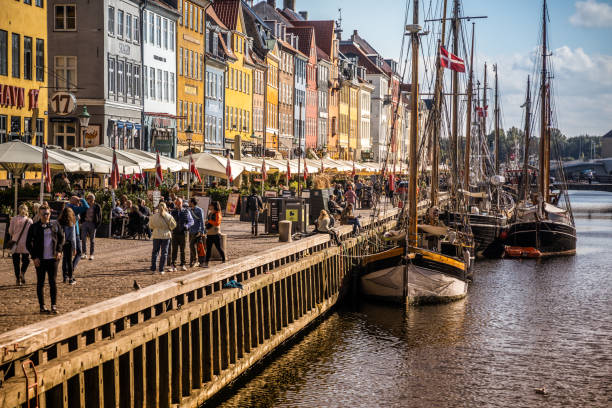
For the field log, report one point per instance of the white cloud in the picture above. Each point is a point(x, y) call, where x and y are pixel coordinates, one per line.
point(582, 88)
point(592, 14)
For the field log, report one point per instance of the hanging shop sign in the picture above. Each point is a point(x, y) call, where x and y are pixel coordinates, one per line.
point(63, 103)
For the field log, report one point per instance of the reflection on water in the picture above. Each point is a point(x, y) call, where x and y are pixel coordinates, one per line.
point(524, 325)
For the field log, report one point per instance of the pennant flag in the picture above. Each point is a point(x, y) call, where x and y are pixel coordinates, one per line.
point(482, 112)
point(114, 178)
point(46, 170)
point(193, 169)
point(264, 174)
point(451, 61)
point(228, 170)
point(288, 172)
point(159, 175)
point(305, 172)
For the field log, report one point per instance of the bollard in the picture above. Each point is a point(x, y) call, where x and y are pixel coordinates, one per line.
point(284, 231)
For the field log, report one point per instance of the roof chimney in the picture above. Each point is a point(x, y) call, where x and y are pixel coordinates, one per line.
point(304, 15)
point(354, 35)
point(289, 4)
point(272, 3)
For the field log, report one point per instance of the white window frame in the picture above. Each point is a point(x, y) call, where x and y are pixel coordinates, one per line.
point(165, 34)
point(128, 27)
point(110, 16)
point(172, 38)
point(61, 70)
point(120, 26)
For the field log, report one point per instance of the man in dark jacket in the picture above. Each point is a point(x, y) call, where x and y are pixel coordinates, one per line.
point(253, 206)
point(184, 221)
point(196, 231)
point(90, 221)
point(44, 242)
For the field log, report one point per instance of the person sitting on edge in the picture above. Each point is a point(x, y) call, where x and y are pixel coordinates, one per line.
point(323, 226)
point(348, 218)
point(45, 242)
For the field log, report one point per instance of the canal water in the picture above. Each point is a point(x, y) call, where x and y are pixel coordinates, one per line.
point(524, 325)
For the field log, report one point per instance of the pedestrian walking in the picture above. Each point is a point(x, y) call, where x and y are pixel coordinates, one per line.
point(161, 224)
point(213, 229)
point(254, 205)
point(184, 221)
point(68, 222)
point(90, 222)
point(45, 242)
point(79, 206)
point(350, 196)
point(196, 231)
point(18, 230)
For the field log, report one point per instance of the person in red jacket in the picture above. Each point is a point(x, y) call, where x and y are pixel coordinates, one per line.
point(213, 230)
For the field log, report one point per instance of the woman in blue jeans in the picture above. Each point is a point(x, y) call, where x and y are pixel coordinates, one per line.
point(348, 218)
point(161, 224)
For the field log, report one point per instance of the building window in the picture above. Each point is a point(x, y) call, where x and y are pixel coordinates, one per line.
point(3, 137)
point(165, 33)
point(190, 67)
point(65, 17)
point(190, 16)
point(39, 3)
point(16, 125)
point(136, 30)
point(65, 135)
point(65, 72)
point(128, 78)
point(159, 93)
point(137, 81)
point(40, 131)
point(152, 83)
point(201, 20)
point(16, 52)
point(3, 52)
point(120, 77)
point(158, 30)
point(145, 77)
point(151, 28)
point(128, 27)
point(111, 20)
point(119, 23)
point(27, 57)
point(180, 62)
point(166, 86)
point(40, 60)
point(171, 39)
point(172, 96)
point(111, 76)
point(180, 10)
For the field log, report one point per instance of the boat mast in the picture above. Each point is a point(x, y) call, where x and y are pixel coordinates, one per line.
point(468, 126)
point(526, 181)
point(412, 187)
point(484, 140)
point(435, 151)
point(454, 150)
point(544, 136)
point(496, 123)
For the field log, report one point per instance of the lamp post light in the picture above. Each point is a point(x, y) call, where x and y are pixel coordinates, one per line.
point(84, 122)
point(189, 137)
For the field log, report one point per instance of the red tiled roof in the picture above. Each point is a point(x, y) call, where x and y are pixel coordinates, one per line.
point(288, 46)
point(364, 61)
point(226, 50)
point(322, 55)
point(369, 50)
point(210, 12)
point(227, 11)
point(324, 32)
point(164, 5)
point(306, 35)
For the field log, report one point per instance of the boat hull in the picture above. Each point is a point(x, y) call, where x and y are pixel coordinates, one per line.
point(550, 238)
point(488, 231)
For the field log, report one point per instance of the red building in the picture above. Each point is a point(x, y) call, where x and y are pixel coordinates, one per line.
point(308, 47)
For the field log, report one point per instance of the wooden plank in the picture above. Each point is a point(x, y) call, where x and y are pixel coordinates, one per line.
point(224, 331)
point(176, 362)
point(165, 370)
point(232, 338)
point(207, 348)
point(196, 353)
point(152, 373)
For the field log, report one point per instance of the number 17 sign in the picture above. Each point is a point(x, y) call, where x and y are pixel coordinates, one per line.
point(63, 103)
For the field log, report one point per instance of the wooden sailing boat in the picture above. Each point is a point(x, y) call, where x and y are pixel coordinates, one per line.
point(428, 267)
point(541, 228)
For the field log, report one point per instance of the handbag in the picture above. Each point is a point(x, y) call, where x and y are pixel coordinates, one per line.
point(13, 244)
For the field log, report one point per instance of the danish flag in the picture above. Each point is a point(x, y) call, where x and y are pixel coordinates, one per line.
point(264, 175)
point(228, 170)
point(288, 172)
point(305, 172)
point(114, 178)
point(193, 169)
point(159, 175)
point(451, 61)
point(46, 169)
point(482, 112)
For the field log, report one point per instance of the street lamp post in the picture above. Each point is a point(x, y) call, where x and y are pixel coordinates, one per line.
point(189, 136)
point(84, 122)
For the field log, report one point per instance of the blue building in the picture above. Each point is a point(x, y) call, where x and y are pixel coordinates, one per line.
point(217, 56)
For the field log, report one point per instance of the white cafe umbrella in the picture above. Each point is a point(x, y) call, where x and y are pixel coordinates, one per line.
point(166, 163)
point(214, 165)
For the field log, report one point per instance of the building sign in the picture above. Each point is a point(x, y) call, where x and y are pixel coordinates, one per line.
point(163, 145)
point(92, 135)
point(158, 58)
point(191, 90)
point(14, 96)
point(63, 103)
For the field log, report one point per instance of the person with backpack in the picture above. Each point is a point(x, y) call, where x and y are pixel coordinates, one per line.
point(253, 206)
point(184, 221)
point(161, 224)
point(18, 230)
point(196, 231)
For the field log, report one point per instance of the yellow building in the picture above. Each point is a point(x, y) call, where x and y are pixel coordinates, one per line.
point(190, 46)
point(272, 99)
point(239, 76)
point(23, 71)
point(343, 116)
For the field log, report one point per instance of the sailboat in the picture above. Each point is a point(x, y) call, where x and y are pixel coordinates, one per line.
point(541, 228)
point(430, 262)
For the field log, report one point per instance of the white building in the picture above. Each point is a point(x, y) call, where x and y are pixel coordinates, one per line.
point(159, 76)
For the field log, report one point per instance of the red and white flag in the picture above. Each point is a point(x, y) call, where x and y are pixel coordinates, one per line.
point(482, 112)
point(451, 61)
point(264, 175)
point(46, 169)
point(159, 175)
point(353, 172)
point(288, 171)
point(114, 177)
point(193, 169)
point(305, 171)
point(228, 170)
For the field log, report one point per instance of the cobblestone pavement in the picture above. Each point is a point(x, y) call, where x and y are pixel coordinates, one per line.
point(112, 273)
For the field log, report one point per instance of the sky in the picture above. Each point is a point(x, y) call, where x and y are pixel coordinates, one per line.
point(580, 36)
